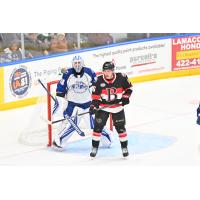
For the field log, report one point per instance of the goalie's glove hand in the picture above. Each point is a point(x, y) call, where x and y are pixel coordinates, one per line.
point(93, 109)
point(125, 100)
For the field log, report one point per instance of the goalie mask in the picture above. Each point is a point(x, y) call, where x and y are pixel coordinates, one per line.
point(77, 63)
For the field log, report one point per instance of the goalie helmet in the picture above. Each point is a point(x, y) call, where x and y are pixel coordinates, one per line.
point(77, 63)
point(108, 66)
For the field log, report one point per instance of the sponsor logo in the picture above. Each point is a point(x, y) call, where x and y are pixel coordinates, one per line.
point(20, 81)
point(102, 84)
point(99, 120)
point(145, 59)
point(79, 87)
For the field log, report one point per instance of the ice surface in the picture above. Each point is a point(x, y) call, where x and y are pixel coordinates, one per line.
point(161, 124)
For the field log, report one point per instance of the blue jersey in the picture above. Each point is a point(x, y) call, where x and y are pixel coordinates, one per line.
point(77, 87)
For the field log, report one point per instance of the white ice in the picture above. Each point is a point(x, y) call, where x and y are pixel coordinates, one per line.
point(164, 107)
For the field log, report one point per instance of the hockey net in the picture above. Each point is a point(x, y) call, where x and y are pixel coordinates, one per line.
point(39, 131)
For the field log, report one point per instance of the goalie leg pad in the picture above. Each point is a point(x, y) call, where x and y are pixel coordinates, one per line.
point(70, 108)
point(59, 107)
point(106, 137)
point(64, 135)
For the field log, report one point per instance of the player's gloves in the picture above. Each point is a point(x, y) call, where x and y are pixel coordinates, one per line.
point(93, 109)
point(125, 100)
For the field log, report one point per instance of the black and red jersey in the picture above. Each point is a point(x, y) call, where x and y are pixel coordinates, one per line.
point(107, 92)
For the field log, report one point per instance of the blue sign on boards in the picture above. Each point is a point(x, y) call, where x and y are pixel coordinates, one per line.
point(20, 81)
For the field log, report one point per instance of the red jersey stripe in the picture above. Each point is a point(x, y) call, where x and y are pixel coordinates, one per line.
point(121, 135)
point(96, 97)
point(114, 106)
point(96, 134)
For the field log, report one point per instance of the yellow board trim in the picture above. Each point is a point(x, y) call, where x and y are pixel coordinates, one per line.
point(175, 74)
point(165, 75)
point(1, 85)
point(18, 104)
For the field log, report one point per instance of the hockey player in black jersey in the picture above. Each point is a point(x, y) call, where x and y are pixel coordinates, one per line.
point(198, 115)
point(112, 89)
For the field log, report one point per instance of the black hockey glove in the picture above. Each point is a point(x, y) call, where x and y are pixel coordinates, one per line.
point(93, 109)
point(125, 100)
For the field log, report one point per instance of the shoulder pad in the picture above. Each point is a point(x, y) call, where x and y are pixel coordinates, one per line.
point(88, 70)
point(123, 74)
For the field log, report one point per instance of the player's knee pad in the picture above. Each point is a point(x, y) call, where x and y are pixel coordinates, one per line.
point(119, 125)
point(99, 124)
point(98, 129)
point(119, 119)
point(120, 128)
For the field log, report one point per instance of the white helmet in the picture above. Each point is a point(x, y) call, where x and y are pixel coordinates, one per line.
point(77, 63)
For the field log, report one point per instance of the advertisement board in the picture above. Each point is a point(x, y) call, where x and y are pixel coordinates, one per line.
point(136, 59)
point(185, 53)
point(140, 60)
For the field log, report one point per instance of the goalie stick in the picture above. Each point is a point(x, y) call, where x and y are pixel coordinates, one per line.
point(69, 119)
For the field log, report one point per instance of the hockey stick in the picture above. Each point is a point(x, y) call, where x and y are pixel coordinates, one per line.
point(47, 90)
point(60, 120)
point(69, 119)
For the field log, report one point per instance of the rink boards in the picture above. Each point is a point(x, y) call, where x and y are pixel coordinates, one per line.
point(142, 60)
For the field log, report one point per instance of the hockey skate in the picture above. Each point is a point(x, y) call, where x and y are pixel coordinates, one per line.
point(57, 144)
point(125, 152)
point(94, 152)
